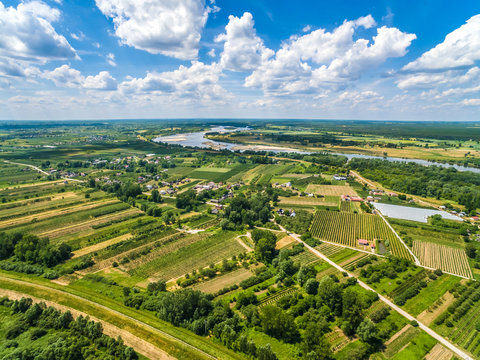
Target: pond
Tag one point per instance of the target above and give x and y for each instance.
(412, 213)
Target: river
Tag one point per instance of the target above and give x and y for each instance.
(198, 139)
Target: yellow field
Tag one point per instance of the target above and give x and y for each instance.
(331, 190)
(305, 200)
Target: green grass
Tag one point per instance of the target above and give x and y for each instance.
(80, 301)
(282, 350)
(343, 255)
(425, 232)
(420, 345)
(430, 294)
(387, 285)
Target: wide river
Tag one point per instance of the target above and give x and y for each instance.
(198, 139)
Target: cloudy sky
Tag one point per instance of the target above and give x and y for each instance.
(345, 59)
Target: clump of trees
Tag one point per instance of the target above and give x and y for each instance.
(299, 223)
(247, 211)
(29, 253)
(462, 187)
(79, 338)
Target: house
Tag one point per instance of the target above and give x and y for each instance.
(293, 213)
(214, 211)
(363, 242)
(475, 218)
(356, 198)
(339, 177)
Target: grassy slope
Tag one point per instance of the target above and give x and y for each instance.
(101, 306)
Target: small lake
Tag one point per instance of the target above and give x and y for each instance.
(412, 213)
(198, 139)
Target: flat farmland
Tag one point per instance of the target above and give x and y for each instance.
(218, 174)
(218, 283)
(197, 255)
(90, 249)
(449, 259)
(305, 200)
(331, 190)
(347, 228)
(11, 174)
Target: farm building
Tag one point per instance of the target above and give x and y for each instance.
(362, 242)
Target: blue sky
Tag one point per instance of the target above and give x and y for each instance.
(101, 59)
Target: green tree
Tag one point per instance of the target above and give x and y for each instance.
(265, 249)
(277, 323)
(311, 286)
(367, 331)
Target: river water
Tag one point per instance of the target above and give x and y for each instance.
(198, 139)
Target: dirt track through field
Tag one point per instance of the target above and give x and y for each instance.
(100, 246)
(140, 345)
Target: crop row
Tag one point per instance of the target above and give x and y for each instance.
(273, 298)
(329, 249)
(347, 228)
(452, 260)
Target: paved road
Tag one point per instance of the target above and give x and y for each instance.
(118, 313)
(422, 326)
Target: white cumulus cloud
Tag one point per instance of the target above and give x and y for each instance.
(322, 59)
(196, 82)
(243, 50)
(460, 48)
(65, 76)
(168, 27)
(26, 33)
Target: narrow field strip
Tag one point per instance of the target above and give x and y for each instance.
(90, 249)
(52, 234)
(58, 212)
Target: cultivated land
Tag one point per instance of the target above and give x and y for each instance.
(348, 228)
(186, 254)
(331, 190)
(452, 260)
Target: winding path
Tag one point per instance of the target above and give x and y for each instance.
(402, 312)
